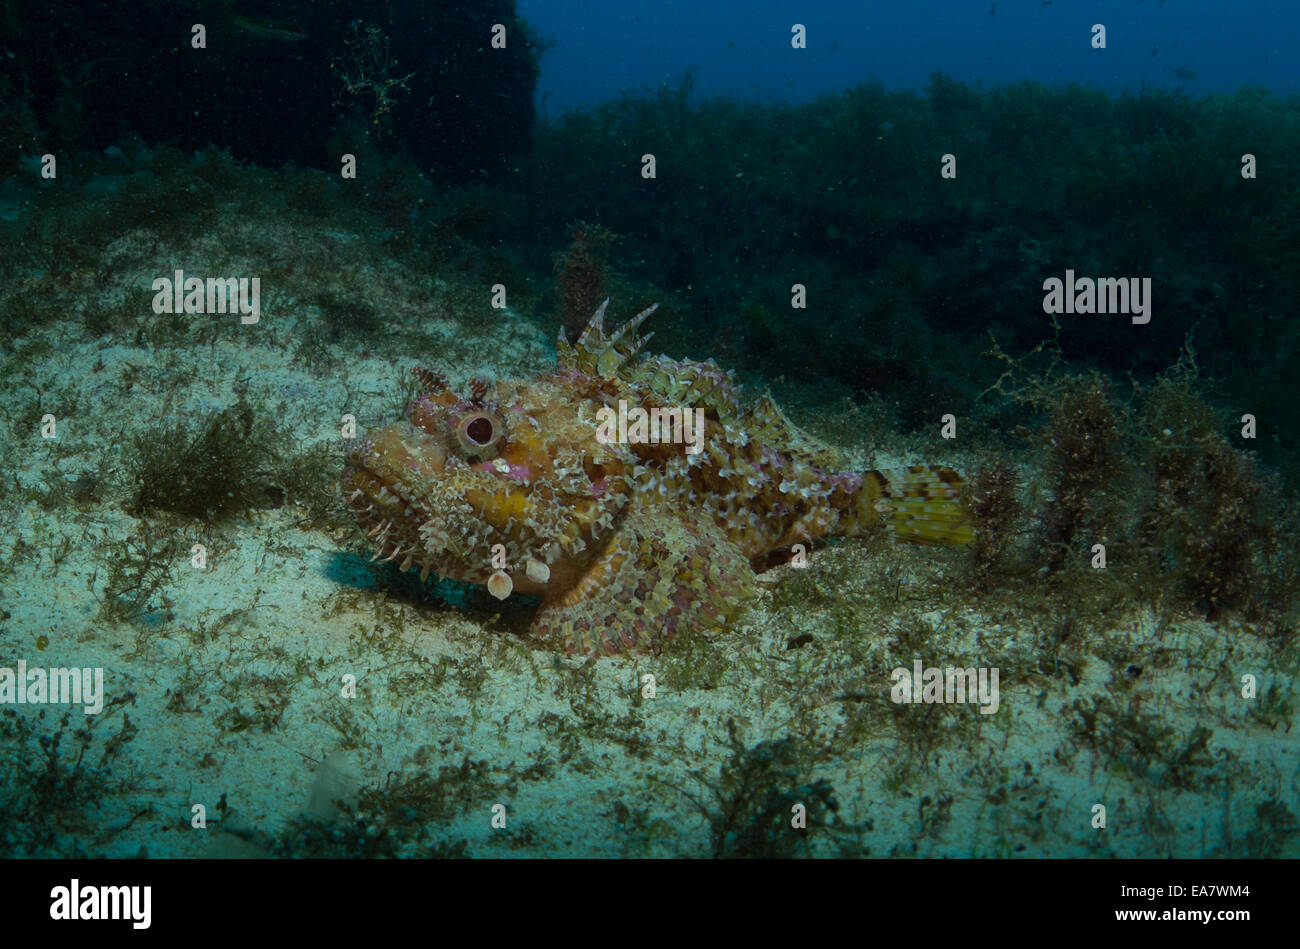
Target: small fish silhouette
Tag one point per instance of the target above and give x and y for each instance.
(269, 29)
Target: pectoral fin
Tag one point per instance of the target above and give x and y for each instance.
(657, 577)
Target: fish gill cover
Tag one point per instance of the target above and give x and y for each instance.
(950, 511)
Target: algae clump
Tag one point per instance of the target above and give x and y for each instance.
(209, 470)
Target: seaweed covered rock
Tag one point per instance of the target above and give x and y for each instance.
(1081, 440)
(993, 502)
(1208, 517)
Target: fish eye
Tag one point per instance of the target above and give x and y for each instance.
(479, 430)
(480, 434)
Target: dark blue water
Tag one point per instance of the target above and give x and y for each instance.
(742, 49)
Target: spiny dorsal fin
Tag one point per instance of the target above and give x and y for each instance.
(766, 423)
(683, 382)
(604, 355)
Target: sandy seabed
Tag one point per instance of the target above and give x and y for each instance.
(232, 687)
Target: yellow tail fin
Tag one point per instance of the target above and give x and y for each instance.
(923, 505)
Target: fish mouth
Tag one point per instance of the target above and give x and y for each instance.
(381, 486)
(396, 459)
(389, 522)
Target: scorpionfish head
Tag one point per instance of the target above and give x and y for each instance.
(508, 487)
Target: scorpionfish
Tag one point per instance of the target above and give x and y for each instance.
(627, 543)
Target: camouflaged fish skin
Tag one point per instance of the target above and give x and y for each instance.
(627, 544)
